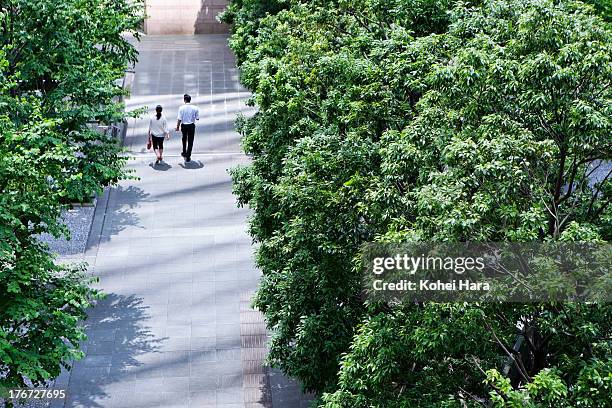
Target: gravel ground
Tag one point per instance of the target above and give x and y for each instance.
(79, 221)
(33, 404)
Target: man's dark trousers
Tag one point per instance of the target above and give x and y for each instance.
(188, 134)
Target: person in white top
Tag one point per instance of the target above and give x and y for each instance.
(187, 115)
(158, 128)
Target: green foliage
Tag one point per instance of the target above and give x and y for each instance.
(60, 63)
(436, 355)
(603, 8)
(592, 389)
(309, 222)
(423, 120)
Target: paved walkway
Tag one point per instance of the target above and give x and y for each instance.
(172, 253)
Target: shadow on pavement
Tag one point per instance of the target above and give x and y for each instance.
(118, 215)
(163, 166)
(192, 165)
(117, 337)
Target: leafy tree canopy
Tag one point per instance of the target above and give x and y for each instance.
(434, 120)
(61, 65)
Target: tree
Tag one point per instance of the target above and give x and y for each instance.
(59, 67)
(323, 106)
(515, 120)
(399, 121)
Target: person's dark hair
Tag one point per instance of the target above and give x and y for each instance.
(158, 111)
(187, 98)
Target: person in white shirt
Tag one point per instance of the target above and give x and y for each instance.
(187, 115)
(158, 128)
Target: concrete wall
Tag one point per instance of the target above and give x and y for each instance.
(184, 16)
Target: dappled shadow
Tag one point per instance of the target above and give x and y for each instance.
(117, 214)
(118, 336)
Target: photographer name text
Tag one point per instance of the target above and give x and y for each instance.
(426, 285)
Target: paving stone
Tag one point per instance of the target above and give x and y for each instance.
(255, 380)
(203, 344)
(230, 395)
(231, 354)
(175, 344)
(207, 398)
(203, 384)
(204, 369)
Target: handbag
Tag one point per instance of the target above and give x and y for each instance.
(149, 143)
